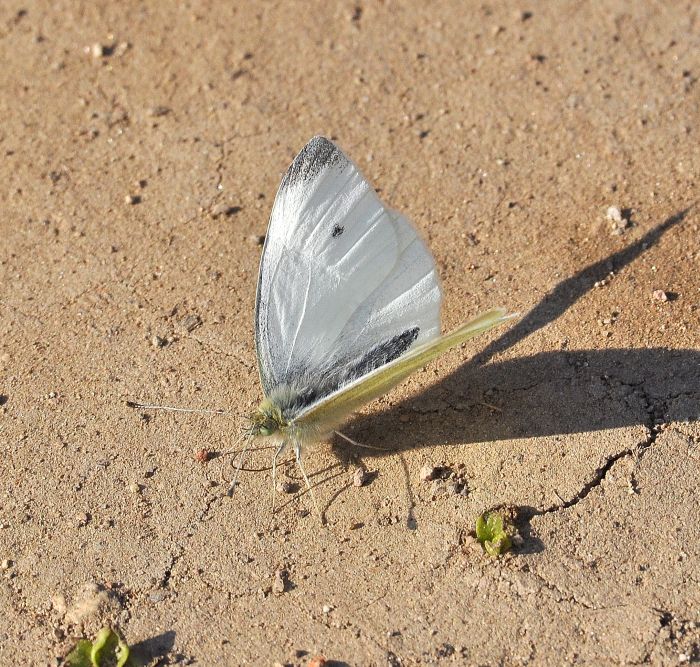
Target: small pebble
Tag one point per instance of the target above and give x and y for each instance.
(224, 209)
(202, 455)
(660, 295)
(328, 608)
(98, 50)
(134, 487)
(158, 111)
(279, 585)
(256, 239)
(157, 596)
(429, 473)
(121, 48)
(189, 323)
(82, 519)
(286, 486)
(613, 214)
(219, 210)
(360, 476)
(132, 199)
(157, 341)
(6, 564)
(318, 661)
(619, 222)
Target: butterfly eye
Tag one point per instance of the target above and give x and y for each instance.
(268, 427)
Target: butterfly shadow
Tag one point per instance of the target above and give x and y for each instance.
(550, 393)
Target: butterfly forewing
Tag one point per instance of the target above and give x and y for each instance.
(346, 285)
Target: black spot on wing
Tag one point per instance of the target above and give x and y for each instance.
(337, 231)
(317, 155)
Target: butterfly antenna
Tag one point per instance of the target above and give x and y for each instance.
(170, 408)
(297, 452)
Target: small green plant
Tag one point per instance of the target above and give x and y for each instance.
(108, 650)
(492, 534)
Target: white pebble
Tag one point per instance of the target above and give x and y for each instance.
(613, 214)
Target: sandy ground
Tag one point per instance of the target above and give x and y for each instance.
(142, 144)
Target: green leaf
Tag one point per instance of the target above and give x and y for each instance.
(104, 648)
(495, 523)
(123, 657)
(492, 534)
(80, 655)
(482, 531)
(108, 650)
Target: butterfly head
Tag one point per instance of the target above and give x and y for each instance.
(267, 419)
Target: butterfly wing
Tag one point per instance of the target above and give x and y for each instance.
(321, 417)
(346, 285)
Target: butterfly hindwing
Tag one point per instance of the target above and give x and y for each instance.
(335, 408)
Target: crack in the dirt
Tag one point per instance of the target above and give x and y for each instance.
(655, 420)
(570, 598)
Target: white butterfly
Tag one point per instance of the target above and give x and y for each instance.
(348, 302)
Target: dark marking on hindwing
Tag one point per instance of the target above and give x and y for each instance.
(337, 231)
(317, 155)
(383, 353)
(309, 389)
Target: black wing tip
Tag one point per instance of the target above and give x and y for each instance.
(318, 154)
(319, 140)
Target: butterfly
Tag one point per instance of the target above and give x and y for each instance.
(348, 303)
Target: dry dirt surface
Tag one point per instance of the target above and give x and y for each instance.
(142, 144)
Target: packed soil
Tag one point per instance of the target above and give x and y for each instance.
(548, 154)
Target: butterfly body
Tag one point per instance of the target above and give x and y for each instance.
(348, 301)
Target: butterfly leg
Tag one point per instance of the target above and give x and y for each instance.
(297, 452)
(244, 451)
(280, 448)
(359, 444)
